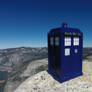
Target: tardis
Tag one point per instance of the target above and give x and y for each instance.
(65, 48)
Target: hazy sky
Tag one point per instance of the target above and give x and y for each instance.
(27, 22)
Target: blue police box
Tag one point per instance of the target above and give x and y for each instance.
(65, 47)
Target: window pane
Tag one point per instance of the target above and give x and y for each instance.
(57, 41)
(51, 41)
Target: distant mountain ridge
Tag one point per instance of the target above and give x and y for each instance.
(12, 58)
(15, 57)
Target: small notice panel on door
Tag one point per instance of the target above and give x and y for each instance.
(67, 51)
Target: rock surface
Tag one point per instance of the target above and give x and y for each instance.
(43, 82)
(16, 60)
(13, 58)
(33, 68)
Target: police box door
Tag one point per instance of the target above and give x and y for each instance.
(72, 55)
(67, 56)
(77, 53)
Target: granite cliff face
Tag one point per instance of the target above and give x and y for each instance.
(16, 60)
(25, 62)
(33, 68)
(43, 82)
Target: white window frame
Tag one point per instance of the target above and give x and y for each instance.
(67, 41)
(76, 41)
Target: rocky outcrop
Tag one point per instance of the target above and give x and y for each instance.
(15, 62)
(33, 68)
(25, 62)
(43, 82)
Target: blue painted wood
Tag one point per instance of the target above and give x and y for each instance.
(62, 67)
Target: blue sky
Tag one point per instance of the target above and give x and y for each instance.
(27, 22)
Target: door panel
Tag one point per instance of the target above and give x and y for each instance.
(57, 46)
(77, 55)
(67, 60)
(72, 56)
(54, 53)
(51, 53)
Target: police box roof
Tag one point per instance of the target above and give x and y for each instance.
(66, 31)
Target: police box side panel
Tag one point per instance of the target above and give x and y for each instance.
(48, 51)
(54, 53)
(58, 53)
(51, 59)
